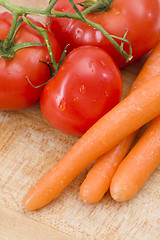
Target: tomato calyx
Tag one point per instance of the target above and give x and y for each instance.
(8, 47)
(49, 64)
(10, 53)
(96, 6)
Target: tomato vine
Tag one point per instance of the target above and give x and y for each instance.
(8, 47)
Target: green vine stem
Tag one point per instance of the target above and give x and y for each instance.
(43, 33)
(28, 10)
(8, 41)
(75, 16)
(18, 10)
(95, 6)
(98, 5)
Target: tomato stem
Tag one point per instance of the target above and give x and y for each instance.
(43, 84)
(49, 11)
(95, 6)
(20, 10)
(43, 33)
(9, 39)
(75, 16)
(6, 47)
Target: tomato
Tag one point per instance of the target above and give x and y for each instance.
(15, 90)
(140, 17)
(88, 84)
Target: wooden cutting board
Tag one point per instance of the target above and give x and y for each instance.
(29, 147)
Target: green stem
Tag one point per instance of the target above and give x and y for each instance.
(15, 47)
(49, 11)
(20, 10)
(17, 27)
(43, 33)
(127, 56)
(90, 9)
(99, 5)
(17, 11)
(9, 39)
(75, 16)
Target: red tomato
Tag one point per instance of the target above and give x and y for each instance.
(140, 17)
(87, 85)
(15, 90)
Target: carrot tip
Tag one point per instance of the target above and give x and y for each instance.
(116, 193)
(28, 203)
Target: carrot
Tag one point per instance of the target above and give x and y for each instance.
(135, 169)
(99, 177)
(134, 111)
(150, 69)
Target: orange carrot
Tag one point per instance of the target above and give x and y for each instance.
(150, 69)
(135, 169)
(134, 111)
(98, 179)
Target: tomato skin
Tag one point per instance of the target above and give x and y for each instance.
(87, 85)
(140, 17)
(15, 90)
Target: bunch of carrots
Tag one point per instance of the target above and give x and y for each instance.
(118, 166)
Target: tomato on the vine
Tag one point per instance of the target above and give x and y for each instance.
(88, 84)
(15, 90)
(141, 18)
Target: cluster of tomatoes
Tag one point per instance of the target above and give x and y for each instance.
(88, 83)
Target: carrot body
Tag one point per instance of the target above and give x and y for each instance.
(150, 69)
(99, 177)
(134, 111)
(135, 169)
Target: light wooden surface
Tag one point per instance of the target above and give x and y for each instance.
(29, 147)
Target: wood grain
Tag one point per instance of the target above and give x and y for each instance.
(29, 146)
(17, 226)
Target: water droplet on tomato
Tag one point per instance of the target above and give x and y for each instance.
(118, 13)
(79, 32)
(64, 29)
(76, 99)
(82, 89)
(90, 63)
(77, 74)
(62, 68)
(62, 105)
(103, 63)
(99, 36)
(106, 93)
(62, 10)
